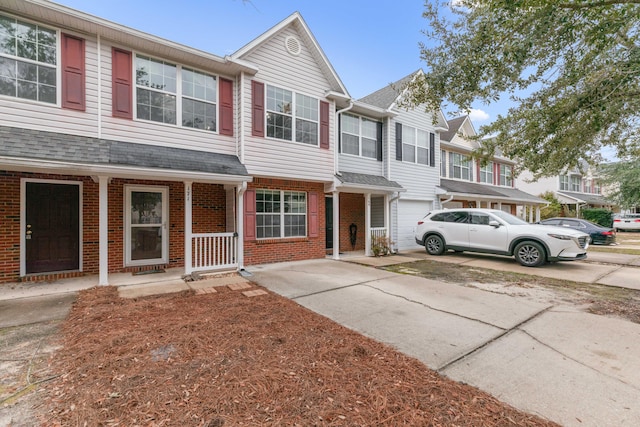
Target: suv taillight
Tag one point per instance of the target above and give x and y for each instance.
(420, 222)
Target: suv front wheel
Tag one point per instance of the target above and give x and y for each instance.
(434, 245)
(530, 254)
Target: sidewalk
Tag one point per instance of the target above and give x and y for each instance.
(574, 368)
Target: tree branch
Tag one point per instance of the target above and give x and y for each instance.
(575, 6)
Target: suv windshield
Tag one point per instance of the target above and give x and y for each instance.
(509, 219)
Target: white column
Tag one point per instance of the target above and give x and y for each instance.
(499, 206)
(103, 230)
(240, 221)
(538, 213)
(367, 224)
(387, 222)
(188, 230)
(531, 214)
(336, 224)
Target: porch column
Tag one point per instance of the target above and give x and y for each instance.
(499, 206)
(387, 223)
(188, 230)
(103, 230)
(367, 224)
(240, 221)
(531, 214)
(336, 224)
(538, 213)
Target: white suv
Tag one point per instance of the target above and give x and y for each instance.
(497, 232)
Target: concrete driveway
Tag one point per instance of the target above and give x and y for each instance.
(571, 367)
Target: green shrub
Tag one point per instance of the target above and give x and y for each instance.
(553, 209)
(604, 217)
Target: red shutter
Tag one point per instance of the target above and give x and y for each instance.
(513, 181)
(226, 107)
(324, 125)
(250, 215)
(313, 214)
(478, 170)
(121, 83)
(73, 73)
(257, 108)
(496, 174)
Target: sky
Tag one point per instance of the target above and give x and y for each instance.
(370, 44)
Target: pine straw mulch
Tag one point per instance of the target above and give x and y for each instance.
(225, 359)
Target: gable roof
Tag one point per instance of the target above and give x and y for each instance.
(454, 127)
(296, 21)
(388, 96)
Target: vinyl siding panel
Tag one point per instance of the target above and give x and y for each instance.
(27, 114)
(147, 132)
(419, 180)
(360, 165)
(278, 158)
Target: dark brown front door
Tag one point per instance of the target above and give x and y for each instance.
(52, 227)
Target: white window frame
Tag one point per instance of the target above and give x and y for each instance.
(575, 183)
(57, 66)
(505, 180)
(164, 259)
(283, 214)
(178, 94)
(486, 171)
(564, 183)
(418, 139)
(443, 163)
(291, 111)
(360, 135)
(458, 162)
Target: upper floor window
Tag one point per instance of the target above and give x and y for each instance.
(575, 181)
(564, 183)
(280, 214)
(415, 145)
(505, 176)
(596, 187)
(169, 93)
(460, 166)
(443, 163)
(290, 114)
(486, 173)
(359, 136)
(28, 67)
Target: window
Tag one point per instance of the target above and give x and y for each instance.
(283, 116)
(281, 214)
(596, 187)
(359, 136)
(486, 173)
(443, 163)
(459, 217)
(564, 182)
(415, 145)
(575, 181)
(170, 93)
(460, 166)
(479, 218)
(28, 68)
(505, 176)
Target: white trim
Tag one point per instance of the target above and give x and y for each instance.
(188, 227)
(164, 226)
(23, 220)
(103, 230)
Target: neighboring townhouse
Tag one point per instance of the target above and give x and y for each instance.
(574, 189)
(466, 182)
(411, 143)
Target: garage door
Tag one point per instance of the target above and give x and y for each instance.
(409, 213)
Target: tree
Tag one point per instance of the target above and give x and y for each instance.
(572, 66)
(553, 209)
(622, 180)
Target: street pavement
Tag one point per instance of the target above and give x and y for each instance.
(574, 368)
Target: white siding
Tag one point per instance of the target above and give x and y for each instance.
(357, 164)
(301, 73)
(147, 132)
(16, 112)
(538, 187)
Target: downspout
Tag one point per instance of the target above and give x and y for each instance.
(335, 150)
(240, 122)
(99, 88)
(442, 202)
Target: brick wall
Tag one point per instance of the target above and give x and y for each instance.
(208, 217)
(264, 251)
(352, 210)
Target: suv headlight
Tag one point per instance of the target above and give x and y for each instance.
(560, 236)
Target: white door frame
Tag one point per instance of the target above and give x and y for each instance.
(128, 189)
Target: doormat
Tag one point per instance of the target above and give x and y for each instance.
(140, 273)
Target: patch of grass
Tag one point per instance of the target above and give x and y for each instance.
(614, 250)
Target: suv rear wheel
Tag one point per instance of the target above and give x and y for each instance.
(434, 245)
(530, 254)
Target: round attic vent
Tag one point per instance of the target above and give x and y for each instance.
(293, 45)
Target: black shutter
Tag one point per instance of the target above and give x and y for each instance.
(340, 133)
(432, 149)
(379, 141)
(398, 141)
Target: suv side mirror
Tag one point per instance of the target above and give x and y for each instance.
(494, 223)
